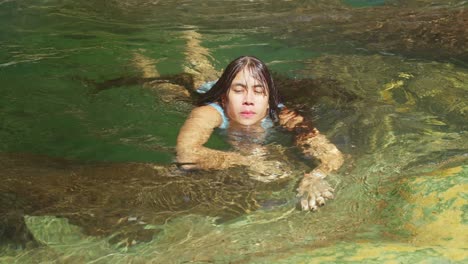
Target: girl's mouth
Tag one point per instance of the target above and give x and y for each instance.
(247, 114)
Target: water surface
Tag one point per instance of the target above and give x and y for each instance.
(87, 139)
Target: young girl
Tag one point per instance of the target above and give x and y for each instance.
(245, 99)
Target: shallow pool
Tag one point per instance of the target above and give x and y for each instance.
(88, 133)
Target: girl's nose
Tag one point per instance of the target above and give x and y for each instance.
(248, 98)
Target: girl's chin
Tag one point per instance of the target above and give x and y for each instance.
(247, 122)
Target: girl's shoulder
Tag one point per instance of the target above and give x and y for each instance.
(208, 114)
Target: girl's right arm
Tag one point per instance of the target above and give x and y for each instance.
(197, 129)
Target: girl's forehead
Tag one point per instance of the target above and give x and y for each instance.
(248, 75)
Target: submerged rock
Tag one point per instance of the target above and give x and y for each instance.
(120, 201)
(438, 89)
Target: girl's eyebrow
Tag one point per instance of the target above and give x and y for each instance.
(239, 84)
(244, 85)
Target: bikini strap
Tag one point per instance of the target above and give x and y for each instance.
(225, 123)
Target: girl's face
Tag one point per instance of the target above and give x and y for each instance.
(247, 99)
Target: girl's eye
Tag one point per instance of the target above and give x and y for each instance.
(238, 90)
(258, 91)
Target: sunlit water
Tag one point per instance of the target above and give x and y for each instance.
(87, 144)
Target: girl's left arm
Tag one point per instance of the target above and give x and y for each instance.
(313, 189)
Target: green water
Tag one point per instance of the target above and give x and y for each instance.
(87, 175)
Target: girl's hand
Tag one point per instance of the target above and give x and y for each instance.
(314, 190)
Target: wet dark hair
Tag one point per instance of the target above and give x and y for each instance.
(259, 71)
